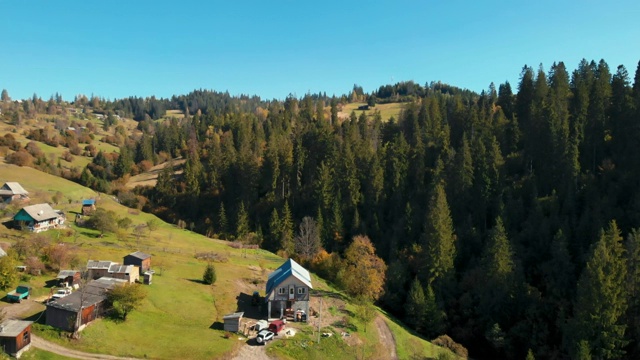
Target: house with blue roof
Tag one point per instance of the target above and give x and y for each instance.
(288, 290)
(88, 206)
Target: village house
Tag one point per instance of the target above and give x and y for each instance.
(12, 191)
(288, 290)
(129, 273)
(15, 336)
(98, 269)
(68, 277)
(75, 311)
(139, 259)
(39, 217)
(88, 207)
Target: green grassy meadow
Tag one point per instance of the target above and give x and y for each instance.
(386, 110)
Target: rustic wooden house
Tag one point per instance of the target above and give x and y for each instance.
(232, 321)
(39, 217)
(139, 259)
(75, 311)
(288, 289)
(98, 269)
(88, 207)
(129, 273)
(13, 191)
(68, 277)
(15, 336)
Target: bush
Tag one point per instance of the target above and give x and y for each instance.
(446, 342)
(209, 276)
(20, 158)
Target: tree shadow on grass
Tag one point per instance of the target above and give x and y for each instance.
(197, 281)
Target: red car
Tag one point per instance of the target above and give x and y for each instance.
(276, 326)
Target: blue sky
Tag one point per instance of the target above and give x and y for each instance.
(272, 48)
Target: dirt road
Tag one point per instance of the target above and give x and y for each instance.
(60, 350)
(386, 337)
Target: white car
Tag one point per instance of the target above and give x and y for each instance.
(264, 336)
(60, 294)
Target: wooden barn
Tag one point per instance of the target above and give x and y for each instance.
(75, 311)
(15, 336)
(68, 277)
(232, 321)
(13, 191)
(139, 259)
(88, 207)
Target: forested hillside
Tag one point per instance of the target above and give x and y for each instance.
(509, 220)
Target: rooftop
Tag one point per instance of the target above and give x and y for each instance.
(66, 273)
(93, 293)
(13, 328)
(88, 202)
(12, 188)
(101, 264)
(289, 268)
(140, 255)
(121, 269)
(41, 212)
(233, 316)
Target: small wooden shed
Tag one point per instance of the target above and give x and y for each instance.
(232, 321)
(148, 277)
(139, 259)
(15, 336)
(88, 206)
(70, 277)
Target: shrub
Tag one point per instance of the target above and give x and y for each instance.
(446, 342)
(20, 158)
(209, 277)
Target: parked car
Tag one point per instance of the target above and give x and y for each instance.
(264, 336)
(276, 326)
(61, 293)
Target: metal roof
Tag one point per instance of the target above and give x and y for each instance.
(140, 255)
(233, 316)
(289, 268)
(63, 274)
(13, 188)
(88, 202)
(121, 269)
(93, 293)
(40, 212)
(13, 328)
(102, 264)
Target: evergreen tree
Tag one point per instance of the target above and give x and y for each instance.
(415, 306)
(222, 220)
(242, 224)
(286, 230)
(438, 242)
(4, 97)
(209, 277)
(601, 299)
(632, 255)
(124, 163)
(275, 229)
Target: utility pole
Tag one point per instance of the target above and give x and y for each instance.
(319, 320)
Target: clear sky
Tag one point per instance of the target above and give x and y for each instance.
(273, 48)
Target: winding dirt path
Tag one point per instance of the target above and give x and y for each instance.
(386, 337)
(60, 350)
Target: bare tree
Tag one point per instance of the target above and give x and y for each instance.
(307, 242)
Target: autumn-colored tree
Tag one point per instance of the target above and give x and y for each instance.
(364, 272)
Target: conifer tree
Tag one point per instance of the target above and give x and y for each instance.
(415, 305)
(601, 299)
(222, 220)
(275, 229)
(439, 242)
(286, 230)
(242, 224)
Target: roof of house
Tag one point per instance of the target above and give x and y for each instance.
(121, 269)
(289, 268)
(93, 293)
(102, 264)
(233, 316)
(140, 255)
(12, 188)
(41, 212)
(13, 328)
(63, 274)
(88, 202)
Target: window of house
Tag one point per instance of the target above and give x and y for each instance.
(282, 291)
(301, 290)
(291, 291)
(25, 336)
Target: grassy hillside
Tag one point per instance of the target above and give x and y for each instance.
(386, 110)
(180, 318)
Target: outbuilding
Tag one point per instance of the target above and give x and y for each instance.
(13, 191)
(68, 277)
(88, 206)
(232, 321)
(139, 259)
(15, 336)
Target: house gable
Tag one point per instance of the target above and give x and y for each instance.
(290, 269)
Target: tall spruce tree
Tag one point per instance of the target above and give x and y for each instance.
(601, 299)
